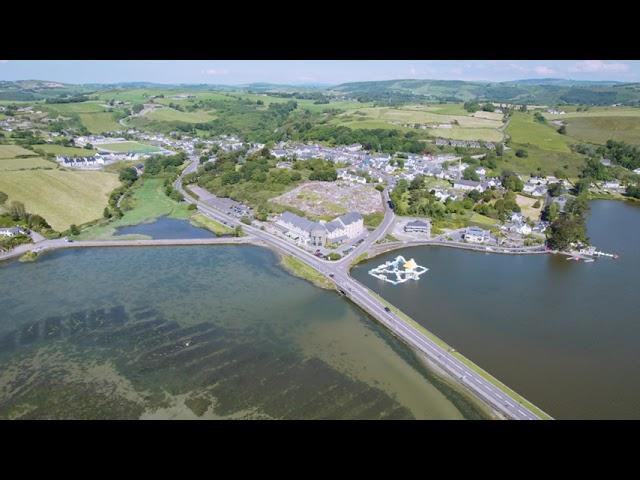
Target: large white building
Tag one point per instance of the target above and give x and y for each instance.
(345, 227)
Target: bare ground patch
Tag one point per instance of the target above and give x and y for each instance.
(526, 205)
(322, 199)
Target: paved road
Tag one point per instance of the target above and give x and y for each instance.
(385, 247)
(47, 245)
(339, 273)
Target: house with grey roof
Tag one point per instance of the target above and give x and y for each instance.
(418, 226)
(467, 185)
(345, 227)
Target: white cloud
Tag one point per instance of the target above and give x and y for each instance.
(518, 68)
(598, 66)
(412, 71)
(216, 71)
(544, 70)
(4, 61)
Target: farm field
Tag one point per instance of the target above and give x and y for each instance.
(596, 112)
(7, 164)
(100, 122)
(548, 151)
(464, 126)
(540, 161)
(485, 134)
(13, 151)
(595, 129)
(67, 108)
(133, 147)
(61, 197)
(93, 115)
(62, 150)
(171, 115)
(525, 130)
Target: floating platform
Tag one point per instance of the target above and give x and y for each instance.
(398, 271)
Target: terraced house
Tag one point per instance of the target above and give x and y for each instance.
(345, 227)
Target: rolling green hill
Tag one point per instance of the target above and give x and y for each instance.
(530, 92)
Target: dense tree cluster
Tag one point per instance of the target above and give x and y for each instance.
(569, 226)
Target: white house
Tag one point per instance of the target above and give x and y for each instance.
(10, 232)
(467, 185)
(476, 235)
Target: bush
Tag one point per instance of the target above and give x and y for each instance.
(520, 153)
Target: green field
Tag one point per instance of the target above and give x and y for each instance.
(465, 126)
(524, 129)
(7, 164)
(458, 133)
(12, 151)
(62, 150)
(132, 147)
(548, 151)
(100, 122)
(67, 108)
(171, 115)
(149, 202)
(600, 129)
(93, 115)
(61, 197)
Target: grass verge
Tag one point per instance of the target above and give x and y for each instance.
(302, 270)
(200, 220)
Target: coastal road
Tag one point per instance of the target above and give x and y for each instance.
(47, 245)
(339, 274)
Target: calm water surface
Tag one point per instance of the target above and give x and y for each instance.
(564, 334)
(197, 332)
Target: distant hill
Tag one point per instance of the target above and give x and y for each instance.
(545, 91)
(531, 92)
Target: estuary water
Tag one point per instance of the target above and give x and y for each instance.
(203, 332)
(564, 334)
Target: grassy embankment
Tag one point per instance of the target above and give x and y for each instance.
(149, 202)
(219, 229)
(518, 398)
(302, 270)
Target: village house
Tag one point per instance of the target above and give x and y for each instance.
(418, 226)
(10, 231)
(467, 185)
(476, 235)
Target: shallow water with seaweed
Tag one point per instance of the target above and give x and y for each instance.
(198, 332)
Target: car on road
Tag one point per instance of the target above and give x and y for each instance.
(387, 309)
(331, 275)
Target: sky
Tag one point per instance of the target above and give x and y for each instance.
(236, 72)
